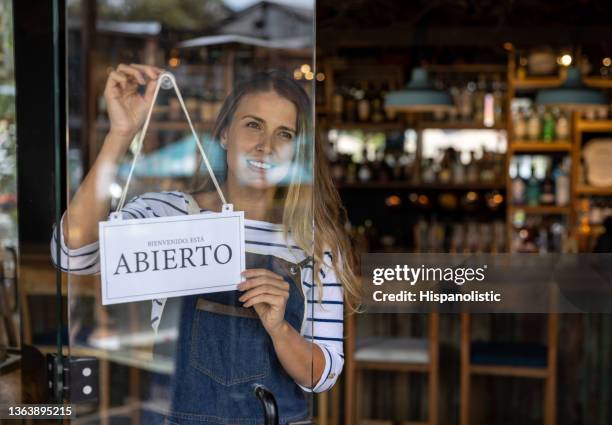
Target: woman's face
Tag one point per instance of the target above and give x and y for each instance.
(260, 139)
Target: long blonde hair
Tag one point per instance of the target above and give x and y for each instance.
(309, 198)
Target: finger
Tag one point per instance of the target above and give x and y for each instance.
(133, 72)
(149, 91)
(264, 289)
(130, 85)
(119, 79)
(250, 273)
(263, 280)
(151, 71)
(112, 84)
(273, 300)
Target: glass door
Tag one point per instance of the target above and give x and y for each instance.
(152, 87)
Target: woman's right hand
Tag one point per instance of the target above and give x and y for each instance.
(127, 108)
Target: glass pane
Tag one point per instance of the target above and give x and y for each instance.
(9, 326)
(246, 77)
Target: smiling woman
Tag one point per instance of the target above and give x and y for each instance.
(265, 128)
(295, 283)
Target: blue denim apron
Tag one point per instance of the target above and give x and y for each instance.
(223, 350)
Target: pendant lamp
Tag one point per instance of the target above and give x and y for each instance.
(572, 94)
(419, 96)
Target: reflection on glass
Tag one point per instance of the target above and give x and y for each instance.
(199, 357)
(8, 206)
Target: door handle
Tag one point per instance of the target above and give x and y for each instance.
(268, 402)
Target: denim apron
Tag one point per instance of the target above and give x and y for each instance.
(223, 350)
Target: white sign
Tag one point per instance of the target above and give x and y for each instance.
(171, 256)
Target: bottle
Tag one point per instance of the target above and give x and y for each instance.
(487, 171)
(458, 169)
(363, 104)
(532, 192)
(498, 100)
(350, 105)
(445, 173)
(377, 168)
(533, 126)
(518, 185)
(479, 99)
(338, 104)
(547, 190)
(406, 164)
(520, 125)
(472, 173)
(364, 172)
(465, 101)
(562, 129)
(429, 172)
(562, 183)
(389, 114)
(548, 127)
(376, 107)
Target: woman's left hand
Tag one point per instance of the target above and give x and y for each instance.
(268, 293)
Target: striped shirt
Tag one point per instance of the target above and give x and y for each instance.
(323, 321)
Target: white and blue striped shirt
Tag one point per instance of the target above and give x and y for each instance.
(323, 323)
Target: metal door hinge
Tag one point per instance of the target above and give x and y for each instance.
(74, 379)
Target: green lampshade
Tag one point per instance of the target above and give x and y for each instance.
(418, 96)
(572, 94)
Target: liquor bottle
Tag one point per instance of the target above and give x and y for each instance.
(532, 192)
(350, 105)
(479, 99)
(406, 163)
(547, 191)
(562, 129)
(376, 107)
(534, 125)
(520, 125)
(351, 171)
(429, 172)
(396, 167)
(487, 172)
(458, 169)
(445, 174)
(465, 102)
(377, 167)
(390, 115)
(518, 185)
(548, 127)
(363, 103)
(452, 113)
(364, 172)
(498, 100)
(562, 182)
(472, 173)
(338, 103)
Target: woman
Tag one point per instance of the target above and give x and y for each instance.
(283, 328)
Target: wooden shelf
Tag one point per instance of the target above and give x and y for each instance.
(515, 371)
(421, 186)
(459, 125)
(541, 209)
(583, 189)
(598, 82)
(363, 126)
(534, 83)
(535, 146)
(392, 366)
(594, 125)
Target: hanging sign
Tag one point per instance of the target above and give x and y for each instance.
(163, 257)
(160, 257)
